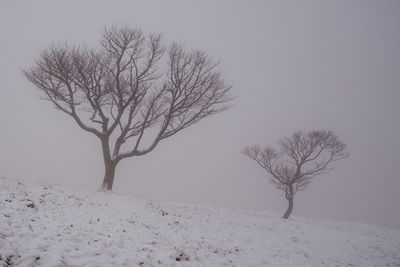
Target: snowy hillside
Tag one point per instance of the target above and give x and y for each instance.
(49, 225)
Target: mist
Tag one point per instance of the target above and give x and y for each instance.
(293, 65)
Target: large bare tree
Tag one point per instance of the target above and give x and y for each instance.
(301, 157)
(127, 92)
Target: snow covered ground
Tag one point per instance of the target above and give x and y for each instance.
(52, 225)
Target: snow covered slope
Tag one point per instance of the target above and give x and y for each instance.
(51, 225)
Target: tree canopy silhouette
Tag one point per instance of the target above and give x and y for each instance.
(123, 94)
(301, 157)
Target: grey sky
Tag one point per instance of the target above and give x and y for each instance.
(295, 65)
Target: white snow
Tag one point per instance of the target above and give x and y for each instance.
(53, 225)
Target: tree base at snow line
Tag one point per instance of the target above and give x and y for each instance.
(106, 185)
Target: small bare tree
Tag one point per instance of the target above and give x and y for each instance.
(120, 93)
(302, 157)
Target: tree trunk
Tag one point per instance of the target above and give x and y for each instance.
(289, 209)
(109, 175)
(109, 165)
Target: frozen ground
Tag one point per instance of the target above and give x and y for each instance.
(52, 225)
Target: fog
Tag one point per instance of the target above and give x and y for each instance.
(294, 65)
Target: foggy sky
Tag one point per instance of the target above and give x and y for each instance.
(295, 65)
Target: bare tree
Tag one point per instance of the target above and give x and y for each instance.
(301, 157)
(121, 94)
